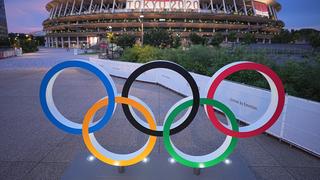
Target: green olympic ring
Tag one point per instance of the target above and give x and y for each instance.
(206, 160)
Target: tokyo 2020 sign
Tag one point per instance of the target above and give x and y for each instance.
(192, 104)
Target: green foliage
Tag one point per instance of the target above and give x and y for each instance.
(315, 40)
(125, 40)
(232, 37)
(26, 42)
(217, 39)
(141, 54)
(249, 38)
(29, 46)
(158, 38)
(298, 77)
(284, 37)
(310, 35)
(196, 39)
(176, 42)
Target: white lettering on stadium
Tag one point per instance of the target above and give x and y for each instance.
(163, 4)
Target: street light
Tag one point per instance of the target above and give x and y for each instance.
(142, 30)
(110, 30)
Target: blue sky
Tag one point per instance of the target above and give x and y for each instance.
(28, 15)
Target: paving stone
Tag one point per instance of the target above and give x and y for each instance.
(48, 171)
(269, 172)
(15, 170)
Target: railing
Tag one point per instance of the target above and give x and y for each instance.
(7, 53)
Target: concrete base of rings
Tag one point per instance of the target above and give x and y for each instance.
(158, 166)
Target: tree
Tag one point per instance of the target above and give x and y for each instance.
(27, 42)
(196, 39)
(283, 37)
(111, 37)
(315, 40)
(176, 42)
(216, 40)
(125, 40)
(232, 37)
(158, 38)
(249, 38)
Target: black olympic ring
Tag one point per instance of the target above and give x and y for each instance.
(167, 65)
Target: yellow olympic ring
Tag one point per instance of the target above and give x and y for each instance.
(117, 159)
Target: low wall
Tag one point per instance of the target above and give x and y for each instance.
(7, 53)
(298, 124)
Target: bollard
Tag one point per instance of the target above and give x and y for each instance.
(196, 171)
(121, 169)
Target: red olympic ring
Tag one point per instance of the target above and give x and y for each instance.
(265, 71)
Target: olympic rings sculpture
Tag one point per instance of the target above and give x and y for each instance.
(233, 132)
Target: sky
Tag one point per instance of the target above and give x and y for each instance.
(26, 16)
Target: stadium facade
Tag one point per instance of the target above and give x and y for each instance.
(3, 21)
(76, 23)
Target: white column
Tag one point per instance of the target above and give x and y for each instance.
(113, 5)
(62, 42)
(88, 45)
(81, 7)
(101, 6)
(77, 41)
(235, 6)
(50, 15)
(275, 13)
(211, 3)
(253, 8)
(270, 12)
(60, 10)
(55, 12)
(90, 6)
(51, 41)
(65, 9)
(74, 3)
(69, 42)
(57, 45)
(245, 7)
(46, 39)
(224, 6)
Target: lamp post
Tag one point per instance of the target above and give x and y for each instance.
(142, 28)
(110, 30)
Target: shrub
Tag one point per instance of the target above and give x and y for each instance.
(196, 39)
(232, 37)
(217, 39)
(158, 38)
(126, 40)
(249, 38)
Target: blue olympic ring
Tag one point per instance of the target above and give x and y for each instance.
(48, 81)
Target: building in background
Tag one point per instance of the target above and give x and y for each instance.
(3, 21)
(81, 23)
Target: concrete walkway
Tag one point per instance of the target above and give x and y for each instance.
(32, 148)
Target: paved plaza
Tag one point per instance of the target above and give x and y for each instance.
(32, 148)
